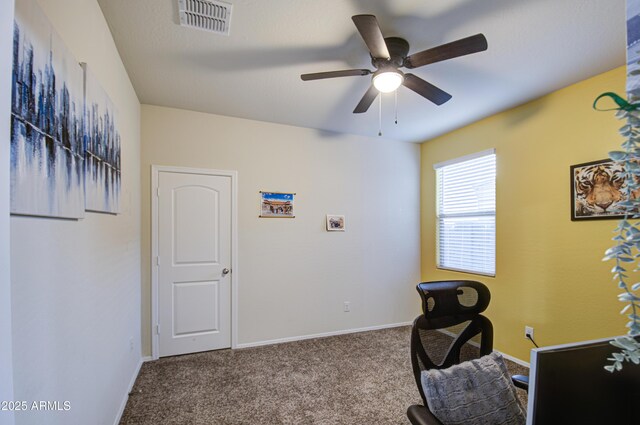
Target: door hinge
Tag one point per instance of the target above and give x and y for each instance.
(158, 192)
(157, 260)
(158, 329)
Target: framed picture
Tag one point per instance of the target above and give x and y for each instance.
(597, 189)
(335, 223)
(277, 205)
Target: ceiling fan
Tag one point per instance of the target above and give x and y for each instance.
(389, 54)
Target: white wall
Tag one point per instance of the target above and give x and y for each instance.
(76, 284)
(293, 275)
(6, 363)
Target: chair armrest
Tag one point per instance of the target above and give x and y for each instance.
(420, 415)
(521, 381)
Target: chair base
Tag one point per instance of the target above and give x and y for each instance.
(420, 415)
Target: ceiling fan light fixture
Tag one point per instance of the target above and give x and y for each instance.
(388, 81)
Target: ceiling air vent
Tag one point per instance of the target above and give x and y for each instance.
(208, 15)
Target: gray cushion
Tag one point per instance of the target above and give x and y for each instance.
(477, 392)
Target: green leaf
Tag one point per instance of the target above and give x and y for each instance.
(632, 167)
(617, 344)
(625, 296)
(632, 236)
(612, 250)
(617, 155)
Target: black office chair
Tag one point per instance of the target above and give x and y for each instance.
(446, 304)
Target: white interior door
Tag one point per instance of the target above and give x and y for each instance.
(194, 261)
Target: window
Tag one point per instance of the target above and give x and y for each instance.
(466, 213)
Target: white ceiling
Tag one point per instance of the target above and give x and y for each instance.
(535, 47)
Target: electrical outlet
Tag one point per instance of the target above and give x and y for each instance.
(131, 344)
(347, 306)
(528, 332)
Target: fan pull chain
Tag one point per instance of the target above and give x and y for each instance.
(380, 115)
(396, 108)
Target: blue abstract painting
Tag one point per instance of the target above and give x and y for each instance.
(47, 148)
(102, 149)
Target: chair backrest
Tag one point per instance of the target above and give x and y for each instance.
(445, 304)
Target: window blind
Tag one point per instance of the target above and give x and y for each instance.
(466, 214)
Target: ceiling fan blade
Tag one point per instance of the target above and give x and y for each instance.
(366, 100)
(372, 35)
(465, 46)
(426, 90)
(334, 74)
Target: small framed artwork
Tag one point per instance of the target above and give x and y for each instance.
(277, 205)
(597, 189)
(335, 223)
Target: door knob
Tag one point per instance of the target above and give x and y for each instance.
(225, 271)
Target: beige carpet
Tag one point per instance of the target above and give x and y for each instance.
(354, 379)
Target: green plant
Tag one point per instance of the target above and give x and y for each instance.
(626, 251)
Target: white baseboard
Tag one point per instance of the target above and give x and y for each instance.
(455, 335)
(514, 359)
(321, 335)
(129, 388)
(475, 344)
(147, 359)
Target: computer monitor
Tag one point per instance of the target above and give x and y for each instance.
(568, 385)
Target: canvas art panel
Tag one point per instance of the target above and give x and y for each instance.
(597, 190)
(47, 152)
(277, 205)
(102, 148)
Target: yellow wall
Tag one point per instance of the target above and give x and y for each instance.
(549, 272)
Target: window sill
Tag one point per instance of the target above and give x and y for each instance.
(450, 269)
